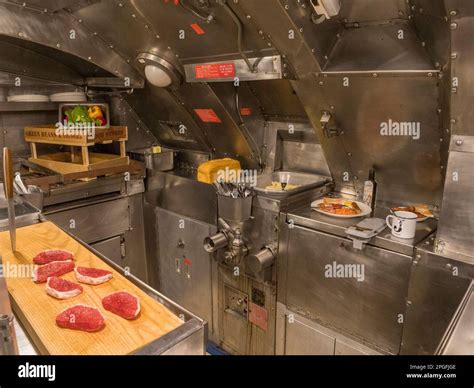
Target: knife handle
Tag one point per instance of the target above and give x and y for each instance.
(8, 172)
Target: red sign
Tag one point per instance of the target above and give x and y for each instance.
(258, 316)
(246, 111)
(215, 70)
(207, 115)
(197, 29)
(188, 262)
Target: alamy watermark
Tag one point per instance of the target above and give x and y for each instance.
(401, 128)
(76, 129)
(335, 270)
(247, 177)
(8, 270)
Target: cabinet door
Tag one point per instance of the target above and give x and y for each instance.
(184, 266)
(358, 292)
(301, 339)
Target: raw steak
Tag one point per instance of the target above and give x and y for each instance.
(123, 304)
(51, 255)
(92, 275)
(62, 289)
(56, 268)
(81, 317)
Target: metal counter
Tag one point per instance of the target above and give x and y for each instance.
(367, 308)
(309, 218)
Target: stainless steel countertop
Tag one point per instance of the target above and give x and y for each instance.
(306, 217)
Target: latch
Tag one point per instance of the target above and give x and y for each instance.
(329, 126)
(123, 249)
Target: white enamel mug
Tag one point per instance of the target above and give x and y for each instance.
(402, 224)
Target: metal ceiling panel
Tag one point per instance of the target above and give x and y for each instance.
(362, 11)
(61, 32)
(379, 48)
(278, 100)
(408, 171)
(218, 124)
(20, 61)
(433, 28)
(169, 121)
(46, 5)
(170, 30)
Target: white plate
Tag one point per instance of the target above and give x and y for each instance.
(366, 210)
(68, 97)
(29, 98)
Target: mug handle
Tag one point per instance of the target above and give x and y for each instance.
(389, 217)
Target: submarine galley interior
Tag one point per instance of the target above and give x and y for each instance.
(242, 177)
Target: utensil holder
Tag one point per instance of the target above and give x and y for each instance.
(234, 209)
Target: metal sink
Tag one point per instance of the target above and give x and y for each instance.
(304, 182)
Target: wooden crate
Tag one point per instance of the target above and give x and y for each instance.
(78, 158)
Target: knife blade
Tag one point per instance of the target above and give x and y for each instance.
(8, 186)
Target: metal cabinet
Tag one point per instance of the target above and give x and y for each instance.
(367, 300)
(111, 248)
(93, 222)
(438, 285)
(297, 335)
(184, 267)
(114, 227)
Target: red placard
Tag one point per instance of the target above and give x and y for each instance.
(258, 316)
(208, 115)
(197, 29)
(245, 111)
(215, 70)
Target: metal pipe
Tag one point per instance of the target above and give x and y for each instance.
(244, 127)
(216, 242)
(238, 23)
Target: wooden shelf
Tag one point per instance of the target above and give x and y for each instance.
(78, 159)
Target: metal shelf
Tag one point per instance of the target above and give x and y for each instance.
(28, 106)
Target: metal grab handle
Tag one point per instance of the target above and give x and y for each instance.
(8, 345)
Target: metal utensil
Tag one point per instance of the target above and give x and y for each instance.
(8, 344)
(20, 187)
(8, 186)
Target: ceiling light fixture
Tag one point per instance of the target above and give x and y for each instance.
(158, 71)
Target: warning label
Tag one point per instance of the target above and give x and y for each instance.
(245, 111)
(215, 70)
(208, 115)
(197, 29)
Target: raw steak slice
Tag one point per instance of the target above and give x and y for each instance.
(92, 275)
(61, 288)
(123, 304)
(81, 317)
(56, 268)
(51, 255)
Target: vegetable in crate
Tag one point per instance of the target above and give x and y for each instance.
(82, 114)
(78, 115)
(95, 112)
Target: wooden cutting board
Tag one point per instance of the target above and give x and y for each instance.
(37, 311)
